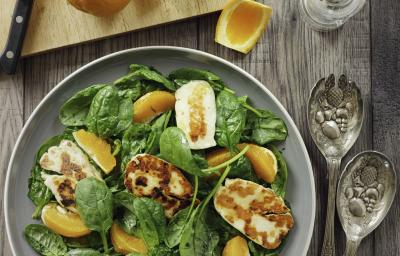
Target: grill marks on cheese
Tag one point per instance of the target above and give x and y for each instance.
(255, 211)
(68, 160)
(150, 176)
(198, 128)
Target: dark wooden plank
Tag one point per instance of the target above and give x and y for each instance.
(385, 47)
(11, 120)
(289, 59)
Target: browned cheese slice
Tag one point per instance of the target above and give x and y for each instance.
(150, 176)
(255, 211)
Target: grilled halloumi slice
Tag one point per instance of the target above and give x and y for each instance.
(150, 176)
(196, 113)
(68, 159)
(63, 188)
(255, 211)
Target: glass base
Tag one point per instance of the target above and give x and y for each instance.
(325, 15)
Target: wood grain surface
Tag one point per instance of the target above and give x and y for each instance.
(55, 23)
(288, 60)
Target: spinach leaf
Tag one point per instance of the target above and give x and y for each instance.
(160, 250)
(198, 239)
(175, 228)
(84, 252)
(74, 111)
(279, 184)
(264, 127)
(124, 199)
(109, 113)
(129, 223)
(231, 120)
(93, 240)
(44, 241)
(159, 125)
(175, 149)
(242, 169)
(38, 192)
(257, 250)
(134, 141)
(95, 206)
(147, 76)
(184, 75)
(152, 222)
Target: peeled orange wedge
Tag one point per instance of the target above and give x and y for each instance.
(241, 24)
(97, 148)
(262, 160)
(63, 222)
(124, 243)
(151, 105)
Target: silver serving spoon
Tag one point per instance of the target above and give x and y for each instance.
(335, 116)
(365, 193)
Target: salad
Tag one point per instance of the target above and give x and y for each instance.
(161, 165)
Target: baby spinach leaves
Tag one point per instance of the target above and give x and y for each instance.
(279, 184)
(84, 252)
(184, 75)
(44, 241)
(109, 113)
(231, 120)
(74, 111)
(263, 127)
(175, 228)
(152, 222)
(175, 149)
(95, 206)
(134, 141)
(146, 75)
(159, 125)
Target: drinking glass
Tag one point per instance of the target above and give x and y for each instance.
(327, 15)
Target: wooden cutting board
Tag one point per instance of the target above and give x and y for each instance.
(55, 23)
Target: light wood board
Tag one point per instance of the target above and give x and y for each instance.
(55, 23)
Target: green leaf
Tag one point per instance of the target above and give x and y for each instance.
(175, 228)
(84, 252)
(147, 76)
(93, 240)
(231, 120)
(74, 111)
(95, 206)
(44, 241)
(159, 125)
(175, 149)
(184, 75)
(279, 184)
(134, 141)
(152, 222)
(263, 127)
(129, 223)
(109, 113)
(124, 199)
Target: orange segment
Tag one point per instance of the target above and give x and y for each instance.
(262, 160)
(97, 148)
(63, 222)
(151, 105)
(124, 243)
(241, 24)
(237, 246)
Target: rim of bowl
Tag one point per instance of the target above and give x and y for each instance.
(175, 48)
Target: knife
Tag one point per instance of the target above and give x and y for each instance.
(19, 24)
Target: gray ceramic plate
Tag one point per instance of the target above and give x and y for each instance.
(44, 123)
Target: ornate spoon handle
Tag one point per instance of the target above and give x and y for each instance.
(328, 247)
(351, 247)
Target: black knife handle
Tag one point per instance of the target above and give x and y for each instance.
(19, 25)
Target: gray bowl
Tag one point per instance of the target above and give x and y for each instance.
(44, 123)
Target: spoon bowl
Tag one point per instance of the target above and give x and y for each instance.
(335, 116)
(365, 193)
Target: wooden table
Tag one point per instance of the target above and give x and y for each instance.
(289, 59)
